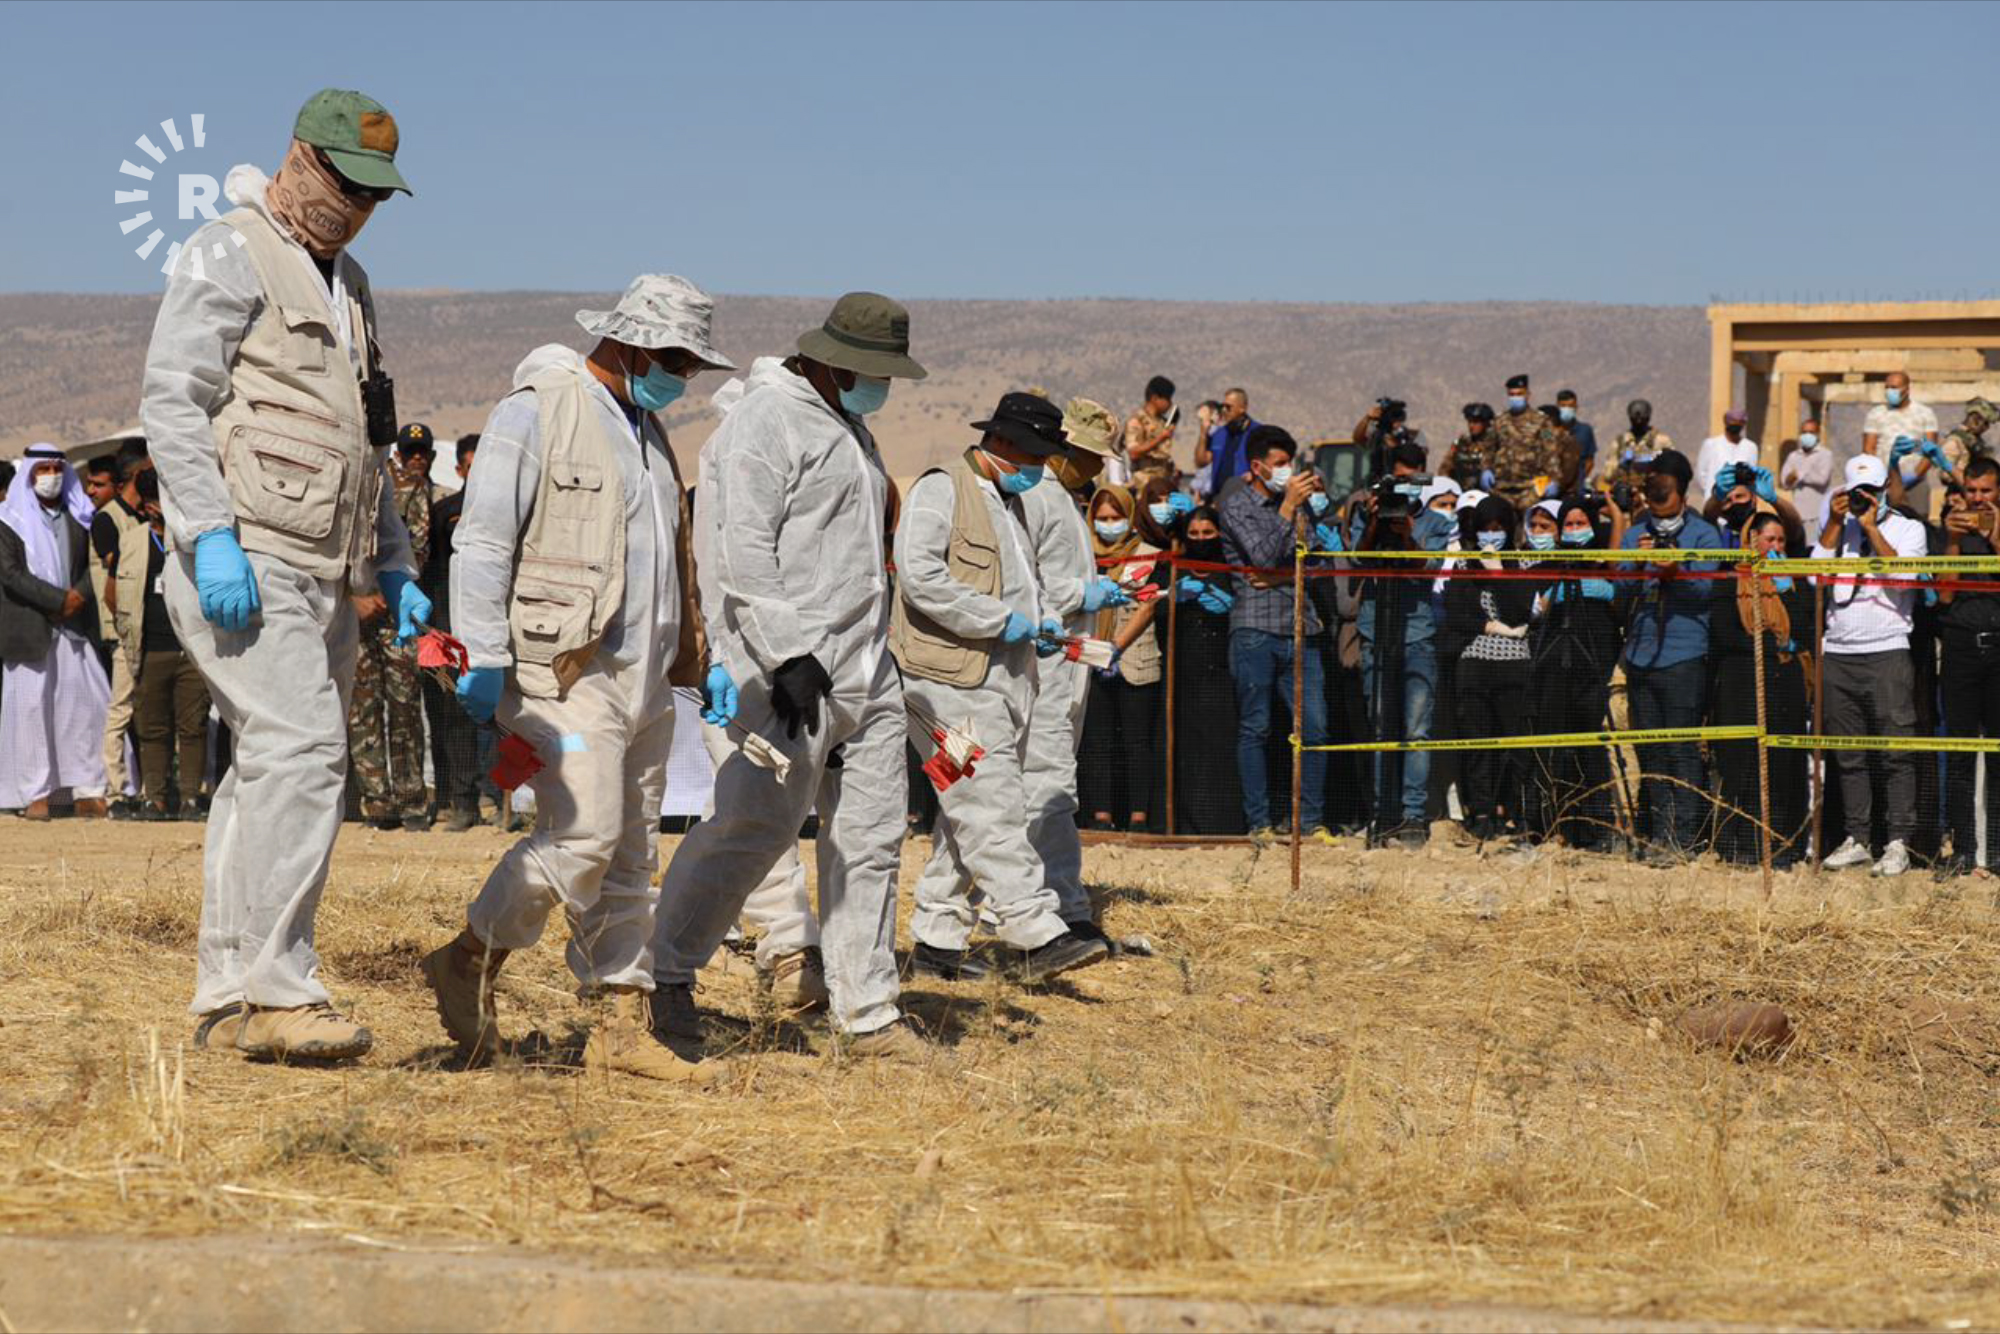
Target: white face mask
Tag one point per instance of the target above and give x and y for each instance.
(1281, 477)
(1808, 441)
(49, 485)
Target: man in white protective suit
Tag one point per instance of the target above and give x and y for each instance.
(269, 420)
(793, 499)
(1073, 590)
(572, 586)
(971, 620)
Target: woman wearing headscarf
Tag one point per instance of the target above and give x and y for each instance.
(1491, 616)
(1121, 727)
(1207, 795)
(1571, 654)
(1788, 622)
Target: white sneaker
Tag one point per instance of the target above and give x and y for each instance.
(1848, 854)
(1895, 859)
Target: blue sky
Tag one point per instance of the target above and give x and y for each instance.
(1409, 152)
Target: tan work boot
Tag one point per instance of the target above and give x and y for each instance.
(796, 982)
(302, 1033)
(220, 1030)
(893, 1042)
(91, 808)
(461, 975)
(623, 1041)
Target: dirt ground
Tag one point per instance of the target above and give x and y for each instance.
(1427, 1079)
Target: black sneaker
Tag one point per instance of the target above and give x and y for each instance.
(1951, 865)
(417, 824)
(1068, 950)
(1413, 836)
(124, 809)
(947, 965)
(1088, 929)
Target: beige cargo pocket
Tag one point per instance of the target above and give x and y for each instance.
(293, 486)
(548, 619)
(308, 340)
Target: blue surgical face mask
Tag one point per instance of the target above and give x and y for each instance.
(1163, 515)
(1893, 397)
(1281, 477)
(1492, 541)
(1542, 541)
(1808, 440)
(1567, 414)
(1319, 500)
(1516, 403)
(655, 389)
(1578, 538)
(1025, 477)
(868, 395)
(1114, 529)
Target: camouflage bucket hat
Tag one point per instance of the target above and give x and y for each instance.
(866, 333)
(1984, 409)
(660, 310)
(1090, 426)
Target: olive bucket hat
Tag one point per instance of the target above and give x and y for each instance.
(866, 333)
(357, 134)
(1089, 426)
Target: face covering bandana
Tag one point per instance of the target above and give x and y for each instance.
(1568, 415)
(1669, 527)
(49, 485)
(1077, 471)
(1893, 397)
(1516, 403)
(1281, 477)
(307, 199)
(1319, 500)
(1025, 477)
(1113, 530)
(1577, 538)
(655, 389)
(1491, 541)
(1541, 541)
(1163, 515)
(868, 395)
(1807, 440)
(1738, 515)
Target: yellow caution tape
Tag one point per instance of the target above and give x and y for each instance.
(1932, 743)
(1554, 740)
(1887, 565)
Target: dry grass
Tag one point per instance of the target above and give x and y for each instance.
(1427, 1077)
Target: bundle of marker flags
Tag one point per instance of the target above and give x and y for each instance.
(515, 761)
(957, 751)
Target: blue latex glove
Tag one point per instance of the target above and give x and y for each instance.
(1048, 640)
(1018, 630)
(1723, 483)
(1190, 588)
(1217, 601)
(1487, 480)
(1324, 538)
(718, 696)
(1552, 490)
(401, 592)
(1110, 670)
(479, 691)
(225, 581)
(1597, 588)
(1766, 487)
(1904, 445)
(1934, 451)
(1103, 592)
(1181, 503)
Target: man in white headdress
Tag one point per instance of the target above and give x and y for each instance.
(56, 695)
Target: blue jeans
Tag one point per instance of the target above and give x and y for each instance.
(1670, 697)
(1419, 672)
(1260, 661)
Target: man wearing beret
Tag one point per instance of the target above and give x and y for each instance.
(1527, 458)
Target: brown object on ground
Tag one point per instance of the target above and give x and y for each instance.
(623, 1042)
(91, 808)
(1741, 1028)
(36, 810)
(894, 1042)
(302, 1033)
(797, 982)
(461, 975)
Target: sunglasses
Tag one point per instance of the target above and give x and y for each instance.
(374, 194)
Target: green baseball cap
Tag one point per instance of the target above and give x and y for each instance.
(356, 133)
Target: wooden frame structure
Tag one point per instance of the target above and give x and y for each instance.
(1793, 355)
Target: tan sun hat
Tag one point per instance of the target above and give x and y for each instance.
(660, 310)
(1090, 426)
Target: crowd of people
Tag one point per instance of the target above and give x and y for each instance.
(1010, 622)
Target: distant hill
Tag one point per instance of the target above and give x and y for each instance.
(70, 365)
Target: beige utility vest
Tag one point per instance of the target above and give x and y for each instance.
(135, 538)
(921, 646)
(131, 536)
(292, 438)
(569, 574)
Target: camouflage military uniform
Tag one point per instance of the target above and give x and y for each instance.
(1467, 459)
(385, 724)
(1963, 444)
(1625, 450)
(1139, 428)
(1525, 447)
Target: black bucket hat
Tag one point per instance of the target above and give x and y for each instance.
(866, 333)
(1027, 420)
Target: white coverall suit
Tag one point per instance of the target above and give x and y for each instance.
(779, 909)
(789, 520)
(604, 745)
(281, 684)
(981, 836)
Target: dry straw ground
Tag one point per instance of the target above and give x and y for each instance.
(1433, 1077)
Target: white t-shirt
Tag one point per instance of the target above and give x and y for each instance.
(1885, 423)
(1870, 618)
(1718, 452)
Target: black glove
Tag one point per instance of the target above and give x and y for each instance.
(797, 687)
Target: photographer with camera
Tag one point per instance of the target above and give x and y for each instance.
(1970, 674)
(1740, 494)
(1869, 675)
(1666, 652)
(1397, 623)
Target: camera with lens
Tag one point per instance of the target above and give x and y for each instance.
(1621, 496)
(1739, 474)
(1394, 411)
(1400, 497)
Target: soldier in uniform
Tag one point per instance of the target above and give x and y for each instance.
(1149, 436)
(1632, 453)
(1468, 461)
(1967, 440)
(385, 726)
(1527, 458)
